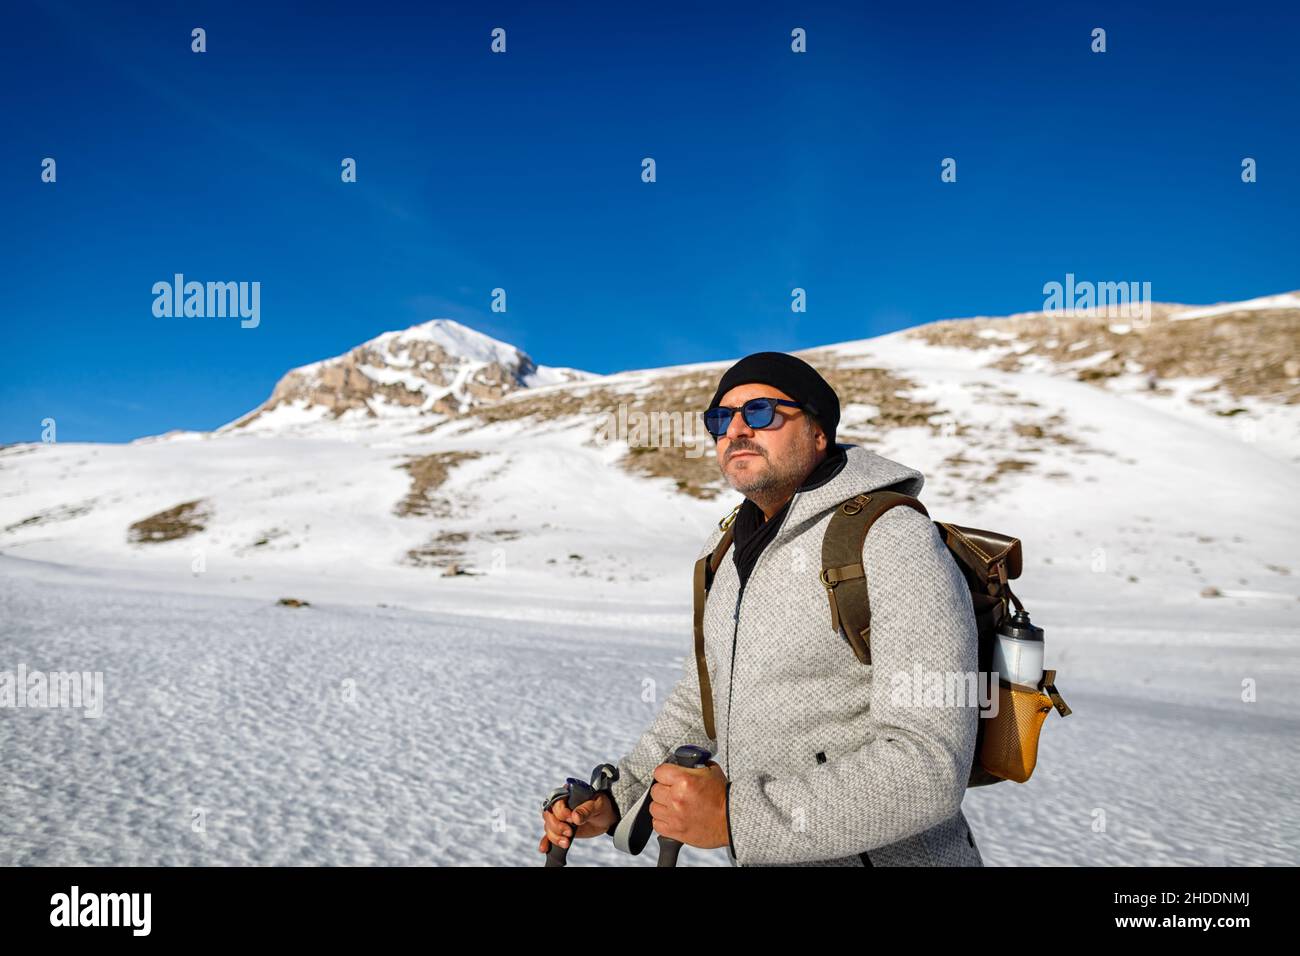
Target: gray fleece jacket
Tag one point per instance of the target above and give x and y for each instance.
(828, 763)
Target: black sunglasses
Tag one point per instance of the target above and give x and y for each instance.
(757, 413)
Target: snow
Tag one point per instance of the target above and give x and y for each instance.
(319, 735)
(454, 338)
(544, 375)
(393, 375)
(234, 710)
(1092, 361)
(1287, 300)
(500, 683)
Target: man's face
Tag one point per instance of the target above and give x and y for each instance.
(771, 459)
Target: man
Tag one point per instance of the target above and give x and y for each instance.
(828, 764)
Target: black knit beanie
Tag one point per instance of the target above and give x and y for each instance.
(791, 375)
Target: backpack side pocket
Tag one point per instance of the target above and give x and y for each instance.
(1010, 745)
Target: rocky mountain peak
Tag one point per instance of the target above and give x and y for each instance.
(440, 367)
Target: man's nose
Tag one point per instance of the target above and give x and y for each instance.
(737, 427)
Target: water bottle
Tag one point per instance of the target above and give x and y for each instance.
(1018, 652)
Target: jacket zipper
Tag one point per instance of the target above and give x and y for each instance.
(735, 629)
(731, 681)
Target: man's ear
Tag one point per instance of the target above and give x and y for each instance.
(819, 433)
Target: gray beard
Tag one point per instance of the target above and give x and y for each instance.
(770, 482)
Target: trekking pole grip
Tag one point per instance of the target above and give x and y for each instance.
(574, 793)
(686, 756)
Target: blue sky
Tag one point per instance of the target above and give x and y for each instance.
(523, 171)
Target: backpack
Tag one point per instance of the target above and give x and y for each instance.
(1006, 745)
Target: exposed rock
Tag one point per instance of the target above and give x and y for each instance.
(428, 472)
(184, 520)
(58, 513)
(438, 550)
(1247, 351)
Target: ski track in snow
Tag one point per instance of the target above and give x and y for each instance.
(235, 708)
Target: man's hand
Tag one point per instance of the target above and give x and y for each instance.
(689, 804)
(591, 819)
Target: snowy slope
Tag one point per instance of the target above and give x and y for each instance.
(457, 727)
(1287, 300)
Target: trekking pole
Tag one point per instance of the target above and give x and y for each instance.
(687, 756)
(575, 793)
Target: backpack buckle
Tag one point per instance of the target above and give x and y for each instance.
(856, 505)
(833, 576)
(999, 569)
(726, 521)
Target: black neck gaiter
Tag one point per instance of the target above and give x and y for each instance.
(752, 533)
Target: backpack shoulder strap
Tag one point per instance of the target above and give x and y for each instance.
(842, 573)
(705, 568)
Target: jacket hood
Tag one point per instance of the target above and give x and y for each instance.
(863, 471)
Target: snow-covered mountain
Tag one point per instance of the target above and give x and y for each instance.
(440, 367)
(438, 445)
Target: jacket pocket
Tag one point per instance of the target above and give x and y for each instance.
(866, 860)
